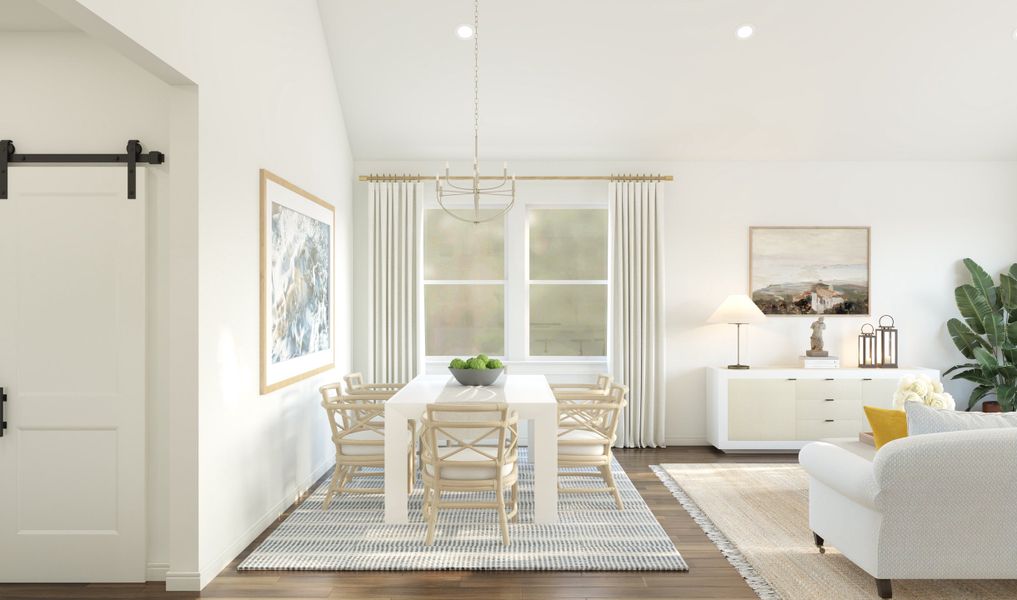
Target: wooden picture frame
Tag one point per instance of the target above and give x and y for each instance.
(297, 281)
(841, 266)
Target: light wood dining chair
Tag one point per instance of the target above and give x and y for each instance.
(355, 385)
(587, 430)
(566, 390)
(357, 422)
(483, 458)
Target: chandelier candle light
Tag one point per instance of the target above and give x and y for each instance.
(506, 187)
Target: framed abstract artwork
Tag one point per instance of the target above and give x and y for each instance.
(810, 270)
(297, 228)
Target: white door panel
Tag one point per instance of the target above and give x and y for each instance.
(72, 361)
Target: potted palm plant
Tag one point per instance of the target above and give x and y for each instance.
(987, 336)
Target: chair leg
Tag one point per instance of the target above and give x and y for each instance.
(819, 542)
(432, 520)
(332, 486)
(502, 518)
(605, 471)
(515, 501)
(884, 588)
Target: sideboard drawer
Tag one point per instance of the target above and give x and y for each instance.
(823, 408)
(817, 429)
(823, 389)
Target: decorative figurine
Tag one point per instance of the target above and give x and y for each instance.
(817, 339)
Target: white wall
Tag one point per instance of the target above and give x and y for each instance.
(266, 99)
(925, 217)
(73, 94)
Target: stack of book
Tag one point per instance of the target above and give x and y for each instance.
(820, 362)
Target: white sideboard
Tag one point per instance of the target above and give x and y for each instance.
(776, 409)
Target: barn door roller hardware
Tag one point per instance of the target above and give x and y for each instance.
(132, 158)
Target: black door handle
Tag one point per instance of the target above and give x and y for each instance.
(3, 401)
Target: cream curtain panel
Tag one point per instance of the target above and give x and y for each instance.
(637, 310)
(393, 241)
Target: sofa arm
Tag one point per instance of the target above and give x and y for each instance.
(840, 470)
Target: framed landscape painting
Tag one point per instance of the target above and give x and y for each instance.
(809, 270)
(296, 283)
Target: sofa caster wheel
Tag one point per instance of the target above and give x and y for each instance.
(884, 588)
(819, 543)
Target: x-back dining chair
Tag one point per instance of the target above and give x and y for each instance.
(355, 385)
(482, 458)
(567, 390)
(357, 422)
(587, 430)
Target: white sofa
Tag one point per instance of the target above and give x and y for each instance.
(935, 506)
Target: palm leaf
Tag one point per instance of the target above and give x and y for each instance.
(994, 329)
(974, 376)
(1011, 332)
(973, 306)
(959, 367)
(981, 280)
(978, 393)
(965, 339)
(1013, 270)
(1008, 292)
(1006, 394)
(985, 358)
(1010, 354)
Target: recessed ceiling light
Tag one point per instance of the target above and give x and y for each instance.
(464, 32)
(744, 32)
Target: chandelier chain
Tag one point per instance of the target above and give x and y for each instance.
(476, 83)
(446, 188)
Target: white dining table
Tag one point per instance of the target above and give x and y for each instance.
(529, 395)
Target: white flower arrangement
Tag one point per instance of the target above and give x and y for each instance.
(923, 389)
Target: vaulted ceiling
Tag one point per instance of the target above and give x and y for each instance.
(669, 79)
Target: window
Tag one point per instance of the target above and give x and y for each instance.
(532, 284)
(464, 286)
(568, 282)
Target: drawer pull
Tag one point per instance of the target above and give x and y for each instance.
(830, 379)
(829, 421)
(866, 379)
(829, 400)
(792, 379)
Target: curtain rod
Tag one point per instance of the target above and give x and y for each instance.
(525, 177)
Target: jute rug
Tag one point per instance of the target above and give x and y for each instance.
(591, 535)
(758, 516)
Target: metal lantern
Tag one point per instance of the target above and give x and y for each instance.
(867, 347)
(886, 344)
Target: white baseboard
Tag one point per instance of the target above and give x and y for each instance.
(214, 567)
(156, 571)
(183, 581)
(687, 441)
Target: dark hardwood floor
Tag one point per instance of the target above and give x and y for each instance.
(709, 576)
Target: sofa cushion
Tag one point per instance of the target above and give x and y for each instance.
(887, 424)
(925, 419)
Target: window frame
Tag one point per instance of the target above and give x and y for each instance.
(529, 283)
(422, 328)
(517, 288)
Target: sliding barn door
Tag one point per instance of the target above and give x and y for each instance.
(72, 364)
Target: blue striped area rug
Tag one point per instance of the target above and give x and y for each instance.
(591, 535)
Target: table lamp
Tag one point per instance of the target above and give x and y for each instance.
(738, 309)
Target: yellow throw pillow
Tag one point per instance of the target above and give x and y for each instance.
(887, 424)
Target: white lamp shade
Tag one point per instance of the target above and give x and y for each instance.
(737, 308)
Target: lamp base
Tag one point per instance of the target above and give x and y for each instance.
(738, 366)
